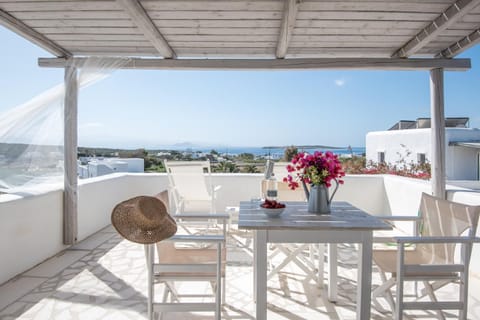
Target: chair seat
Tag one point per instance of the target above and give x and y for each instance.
(169, 254)
(386, 260)
(384, 239)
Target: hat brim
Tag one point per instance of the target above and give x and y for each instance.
(126, 220)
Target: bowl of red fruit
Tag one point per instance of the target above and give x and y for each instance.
(272, 208)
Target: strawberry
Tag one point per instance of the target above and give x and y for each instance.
(272, 204)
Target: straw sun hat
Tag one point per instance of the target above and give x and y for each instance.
(143, 220)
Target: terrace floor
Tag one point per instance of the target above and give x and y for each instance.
(104, 277)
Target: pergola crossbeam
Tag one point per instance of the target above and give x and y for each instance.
(286, 29)
(436, 27)
(277, 64)
(30, 34)
(141, 19)
(462, 45)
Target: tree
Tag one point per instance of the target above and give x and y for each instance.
(289, 153)
(227, 167)
(147, 163)
(173, 155)
(246, 156)
(138, 153)
(250, 168)
(153, 164)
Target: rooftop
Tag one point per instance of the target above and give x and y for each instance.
(421, 123)
(105, 277)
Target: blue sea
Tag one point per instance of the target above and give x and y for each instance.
(266, 151)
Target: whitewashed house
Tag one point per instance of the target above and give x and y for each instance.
(95, 167)
(410, 142)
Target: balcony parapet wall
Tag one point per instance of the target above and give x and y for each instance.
(32, 223)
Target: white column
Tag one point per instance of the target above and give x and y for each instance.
(70, 227)
(438, 132)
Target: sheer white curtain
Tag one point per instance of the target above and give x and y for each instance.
(31, 134)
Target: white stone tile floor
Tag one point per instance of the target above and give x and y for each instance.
(56, 264)
(104, 277)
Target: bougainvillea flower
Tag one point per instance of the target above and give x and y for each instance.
(314, 169)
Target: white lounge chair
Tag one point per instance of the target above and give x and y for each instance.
(190, 186)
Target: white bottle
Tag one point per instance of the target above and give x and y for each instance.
(272, 188)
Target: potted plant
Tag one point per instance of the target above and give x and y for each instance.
(317, 170)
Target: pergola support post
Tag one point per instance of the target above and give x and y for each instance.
(70, 215)
(438, 133)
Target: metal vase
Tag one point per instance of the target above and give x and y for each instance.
(318, 199)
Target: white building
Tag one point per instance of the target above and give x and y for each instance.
(410, 141)
(95, 167)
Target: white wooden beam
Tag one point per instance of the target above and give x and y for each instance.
(462, 45)
(141, 19)
(277, 64)
(30, 34)
(70, 207)
(438, 133)
(288, 23)
(435, 28)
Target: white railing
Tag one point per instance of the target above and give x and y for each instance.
(31, 226)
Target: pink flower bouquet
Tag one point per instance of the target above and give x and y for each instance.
(314, 169)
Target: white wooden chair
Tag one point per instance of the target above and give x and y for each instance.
(190, 186)
(174, 264)
(432, 259)
(295, 253)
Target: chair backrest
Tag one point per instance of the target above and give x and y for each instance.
(280, 170)
(190, 179)
(163, 196)
(284, 192)
(443, 218)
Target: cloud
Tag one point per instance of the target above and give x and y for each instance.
(339, 82)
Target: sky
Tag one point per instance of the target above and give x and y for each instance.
(153, 109)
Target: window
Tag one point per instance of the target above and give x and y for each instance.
(381, 157)
(421, 159)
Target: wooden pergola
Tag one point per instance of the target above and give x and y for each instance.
(254, 35)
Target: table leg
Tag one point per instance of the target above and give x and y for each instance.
(364, 281)
(260, 268)
(255, 269)
(332, 272)
(321, 262)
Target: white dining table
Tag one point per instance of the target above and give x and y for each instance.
(344, 224)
